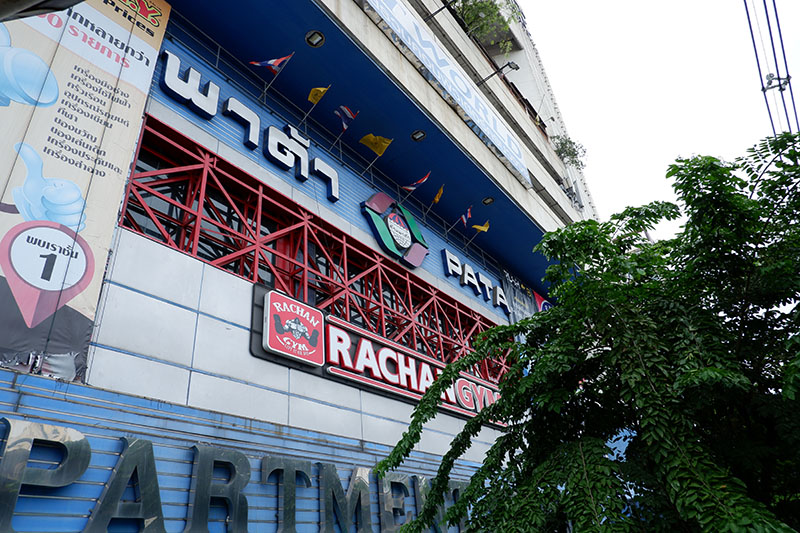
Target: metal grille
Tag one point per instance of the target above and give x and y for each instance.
(188, 198)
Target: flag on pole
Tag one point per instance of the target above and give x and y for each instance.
(483, 228)
(466, 216)
(413, 186)
(376, 143)
(438, 195)
(317, 93)
(346, 115)
(435, 199)
(478, 230)
(274, 65)
(314, 97)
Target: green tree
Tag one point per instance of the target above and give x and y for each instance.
(569, 151)
(488, 20)
(686, 349)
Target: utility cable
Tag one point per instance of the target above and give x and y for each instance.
(786, 65)
(777, 66)
(766, 62)
(758, 64)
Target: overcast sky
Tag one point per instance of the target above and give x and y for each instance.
(642, 83)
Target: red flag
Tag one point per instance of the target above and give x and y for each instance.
(466, 216)
(416, 184)
(274, 65)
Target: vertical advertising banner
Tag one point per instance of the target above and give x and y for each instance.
(73, 85)
(524, 301)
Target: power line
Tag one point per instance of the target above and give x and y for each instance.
(786, 65)
(769, 76)
(777, 66)
(758, 64)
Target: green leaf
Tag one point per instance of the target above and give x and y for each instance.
(685, 350)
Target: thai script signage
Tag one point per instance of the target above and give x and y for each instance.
(453, 80)
(294, 330)
(480, 284)
(73, 85)
(136, 465)
(524, 300)
(287, 148)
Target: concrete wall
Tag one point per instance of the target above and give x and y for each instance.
(172, 328)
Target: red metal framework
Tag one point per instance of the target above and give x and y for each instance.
(188, 198)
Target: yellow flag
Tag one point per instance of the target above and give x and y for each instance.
(485, 226)
(317, 93)
(438, 194)
(376, 143)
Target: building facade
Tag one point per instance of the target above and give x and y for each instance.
(238, 244)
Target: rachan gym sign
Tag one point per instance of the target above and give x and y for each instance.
(294, 330)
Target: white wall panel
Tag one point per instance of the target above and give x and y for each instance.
(223, 349)
(383, 406)
(226, 396)
(133, 375)
(138, 323)
(446, 423)
(226, 296)
(382, 430)
(488, 435)
(477, 452)
(312, 415)
(434, 442)
(311, 386)
(156, 269)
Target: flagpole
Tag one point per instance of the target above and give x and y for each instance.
(369, 167)
(313, 106)
(434, 202)
(472, 239)
(429, 209)
(453, 226)
(336, 140)
(266, 89)
(309, 112)
(275, 77)
(406, 197)
(344, 129)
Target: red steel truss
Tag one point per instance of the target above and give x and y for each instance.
(190, 199)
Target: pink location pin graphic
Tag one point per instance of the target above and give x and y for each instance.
(46, 265)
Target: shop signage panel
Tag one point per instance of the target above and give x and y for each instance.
(287, 148)
(481, 284)
(395, 229)
(293, 330)
(73, 85)
(368, 359)
(452, 79)
(524, 300)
